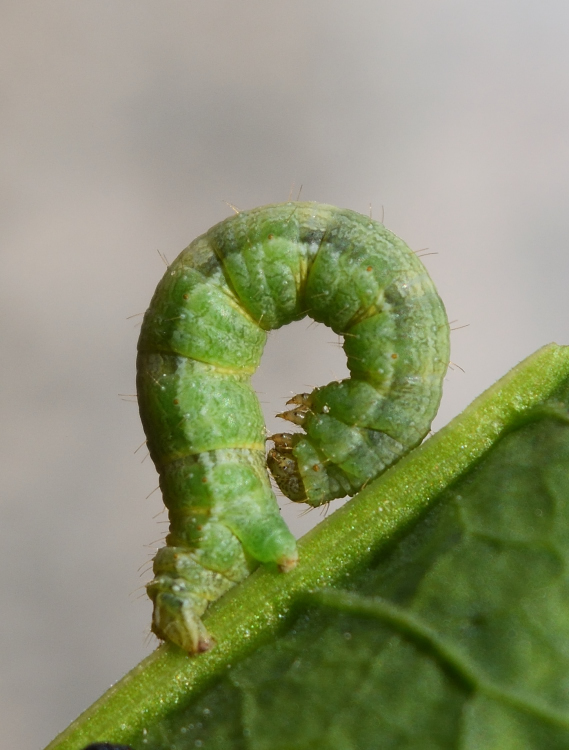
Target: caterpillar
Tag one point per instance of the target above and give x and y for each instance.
(202, 338)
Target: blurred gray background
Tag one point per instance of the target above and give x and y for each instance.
(126, 125)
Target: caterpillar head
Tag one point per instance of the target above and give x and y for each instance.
(284, 468)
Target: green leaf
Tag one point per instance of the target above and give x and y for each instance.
(432, 611)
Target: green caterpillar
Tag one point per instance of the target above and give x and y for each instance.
(202, 338)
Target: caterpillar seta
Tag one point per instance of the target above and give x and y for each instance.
(202, 338)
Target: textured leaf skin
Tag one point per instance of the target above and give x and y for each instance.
(201, 339)
(347, 541)
(457, 637)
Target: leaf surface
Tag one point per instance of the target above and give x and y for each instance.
(431, 612)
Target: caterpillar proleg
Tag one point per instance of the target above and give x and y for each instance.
(202, 338)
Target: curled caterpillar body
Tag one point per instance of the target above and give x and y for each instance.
(202, 338)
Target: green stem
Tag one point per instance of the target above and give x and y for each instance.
(257, 609)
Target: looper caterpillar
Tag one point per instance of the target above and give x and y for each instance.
(202, 338)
